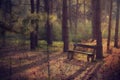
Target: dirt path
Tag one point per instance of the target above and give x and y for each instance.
(32, 65)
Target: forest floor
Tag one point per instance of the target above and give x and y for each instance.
(33, 65)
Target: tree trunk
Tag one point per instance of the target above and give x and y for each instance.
(32, 40)
(70, 20)
(48, 4)
(109, 26)
(117, 25)
(94, 29)
(65, 27)
(32, 37)
(8, 6)
(76, 20)
(84, 12)
(36, 35)
(37, 22)
(37, 6)
(97, 23)
(48, 33)
(32, 6)
(3, 38)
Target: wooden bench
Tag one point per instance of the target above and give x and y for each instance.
(88, 50)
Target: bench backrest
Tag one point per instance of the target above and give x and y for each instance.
(93, 47)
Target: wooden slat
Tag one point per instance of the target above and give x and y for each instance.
(85, 46)
(87, 53)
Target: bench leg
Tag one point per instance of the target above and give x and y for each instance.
(90, 56)
(67, 55)
(70, 55)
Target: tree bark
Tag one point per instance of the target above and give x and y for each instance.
(32, 36)
(37, 23)
(48, 8)
(32, 6)
(84, 12)
(97, 24)
(34, 33)
(65, 27)
(109, 26)
(76, 21)
(93, 19)
(8, 6)
(70, 20)
(117, 25)
(3, 32)
(32, 40)
(37, 6)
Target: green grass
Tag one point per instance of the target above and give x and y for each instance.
(56, 46)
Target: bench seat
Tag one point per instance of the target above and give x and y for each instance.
(89, 54)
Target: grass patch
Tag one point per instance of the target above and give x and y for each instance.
(56, 46)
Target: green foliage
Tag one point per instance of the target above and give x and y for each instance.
(56, 46)
(42, 44)
(42, 35)
(84, 32)
(21, 19)
(57, 31)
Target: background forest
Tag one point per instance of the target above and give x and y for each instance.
(38, 39)
(16, 16)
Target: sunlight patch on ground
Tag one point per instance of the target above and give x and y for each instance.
(81, 57)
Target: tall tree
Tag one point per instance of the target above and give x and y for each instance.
(70, 18)
(76, 19)
(32, 6)
(37, 21)
(93, 5)
(65, 36)
(8, 6)
(34, 24)
(36, 31)
(32, 33)
(3, 34)
(33, 36)
(117, 25)
(109, 26)
(97, 23)
(6, 9)
(48, 7)
(37, 6)
(84, 12)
